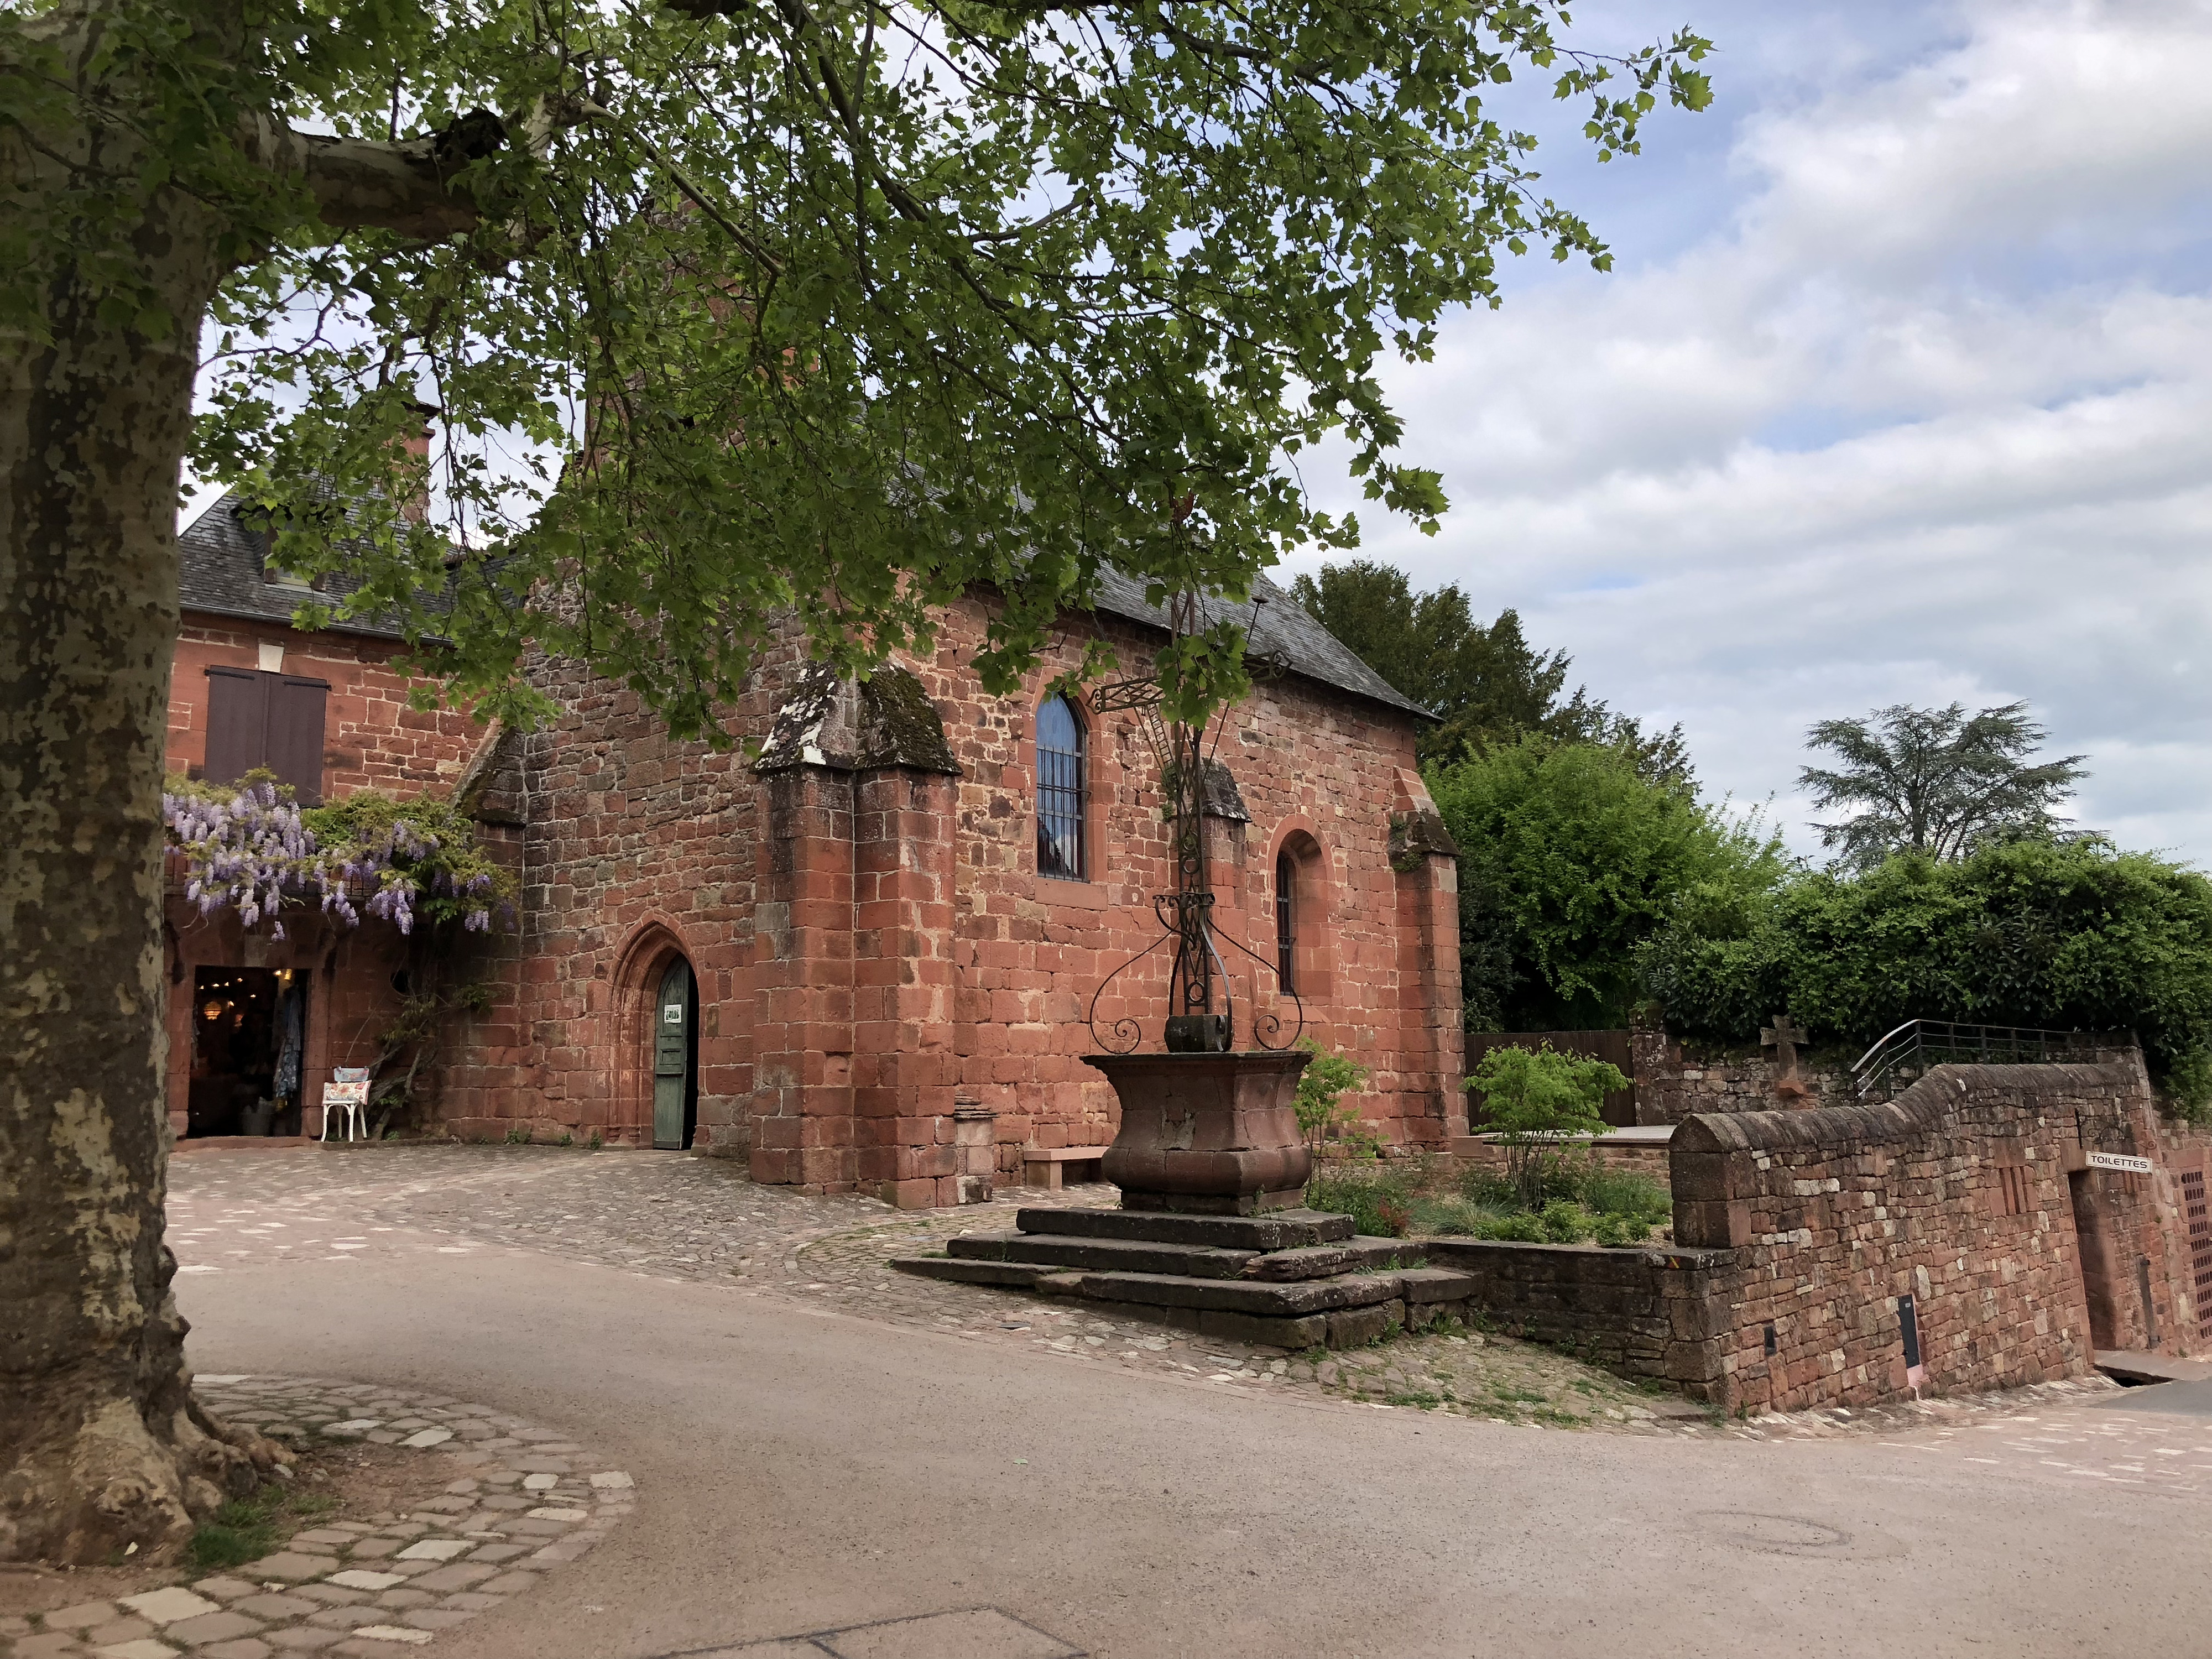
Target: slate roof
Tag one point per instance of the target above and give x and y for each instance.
(220, 572)
(1285, 629)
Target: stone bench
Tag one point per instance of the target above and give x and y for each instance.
(1052, 1167)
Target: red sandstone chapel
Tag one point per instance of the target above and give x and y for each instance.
(860, 954)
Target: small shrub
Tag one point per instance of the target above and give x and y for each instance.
(1491, 1189)
(595, 1143)
(1327, 1125)
(1520, 1228)
(1619, 1231)
(1566, 1222)
(519, 1137)
(1537, 1098)
(1629, 1194)
(568, 1140)
(1379, 1205)
(1451, 1217)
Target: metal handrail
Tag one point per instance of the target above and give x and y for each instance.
(1920, 1038)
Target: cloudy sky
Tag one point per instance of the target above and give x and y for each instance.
(1901, 390)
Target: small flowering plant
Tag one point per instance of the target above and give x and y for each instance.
(250, 848)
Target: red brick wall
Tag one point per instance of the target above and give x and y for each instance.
(873, 946)
(371, 738)
(638, 848)
(1834, 1214)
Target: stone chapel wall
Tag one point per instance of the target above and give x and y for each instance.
(876, 951)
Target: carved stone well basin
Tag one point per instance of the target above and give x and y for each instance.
(1207, 1133)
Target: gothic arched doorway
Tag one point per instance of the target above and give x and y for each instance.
(676, 1058)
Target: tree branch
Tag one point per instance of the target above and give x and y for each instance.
(408, 188)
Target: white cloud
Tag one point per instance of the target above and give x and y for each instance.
(1924, 413)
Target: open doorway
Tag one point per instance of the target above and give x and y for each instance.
(249, 1041)
(676, 1058)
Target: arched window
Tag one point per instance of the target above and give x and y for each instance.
(1286, 920)
(1063, 792)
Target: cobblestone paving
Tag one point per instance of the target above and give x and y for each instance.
(521, 1501)
(676, 1217)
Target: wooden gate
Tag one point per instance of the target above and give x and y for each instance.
(1619, 1107)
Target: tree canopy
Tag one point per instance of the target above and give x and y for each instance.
(1933, 780)
(721, 314)
(1569, 858)
(2064, 936)
(724, 308)
(1487, 686)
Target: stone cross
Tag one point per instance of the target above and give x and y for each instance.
(1783, 1037)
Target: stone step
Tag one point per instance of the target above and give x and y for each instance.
(1014, 1275)
(1292, 1301)
(1437, 1284)
(1359, 1254)
(1280, 1230)
(1110, 1254)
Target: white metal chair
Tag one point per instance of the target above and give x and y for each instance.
(357, 1077)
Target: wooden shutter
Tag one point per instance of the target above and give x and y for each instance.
(237, 722)
(295, 750)
(274, 721)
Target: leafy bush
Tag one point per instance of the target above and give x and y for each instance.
(1566, 1222)
(1536, 1096)
(1618, 1231)
(1569, 857)
(1379, 1206)
(2068, 936)
(1488, 1189)
(1519, 1228)
(1321, 1119)
(1628, 1195)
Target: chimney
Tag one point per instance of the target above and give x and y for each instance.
(418, 444)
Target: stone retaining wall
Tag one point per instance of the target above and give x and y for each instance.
(1659, 1313)
(1970, 1194)
(1673, 1083)
(1798, 1234)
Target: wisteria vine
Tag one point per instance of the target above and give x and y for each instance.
(250, 848)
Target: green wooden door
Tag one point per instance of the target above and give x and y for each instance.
(672, 1054)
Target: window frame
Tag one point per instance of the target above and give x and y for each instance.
(1062, 795)
(1286, 921)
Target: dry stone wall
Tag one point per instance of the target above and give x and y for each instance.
(1658, 1313)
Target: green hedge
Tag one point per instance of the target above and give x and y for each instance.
(2066, 936)
(1568, 857)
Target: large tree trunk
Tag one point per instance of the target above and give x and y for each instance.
(100, 1445)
